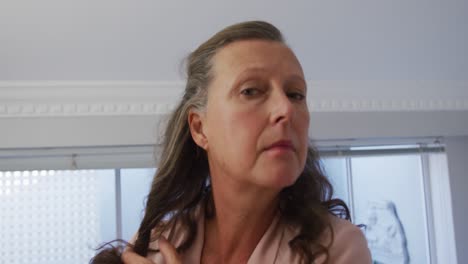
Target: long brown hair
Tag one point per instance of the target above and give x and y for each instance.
(182, 178)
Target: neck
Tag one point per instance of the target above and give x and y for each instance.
(242, 216)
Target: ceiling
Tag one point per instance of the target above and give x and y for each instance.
(148, 40)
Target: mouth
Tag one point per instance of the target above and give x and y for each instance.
(281, 145)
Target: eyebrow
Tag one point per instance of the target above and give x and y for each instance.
(252, 69)
(243, 76)
(296, 77)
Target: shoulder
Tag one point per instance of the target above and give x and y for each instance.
(345, 241)
(349, 244)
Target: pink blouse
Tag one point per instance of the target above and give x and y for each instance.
(349, 245)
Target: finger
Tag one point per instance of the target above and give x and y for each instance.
(130, 257)
(169, 252)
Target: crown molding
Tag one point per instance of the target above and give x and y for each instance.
(87, 98)
(143, 98)
(388, 96)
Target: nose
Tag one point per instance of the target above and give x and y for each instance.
(282, 108)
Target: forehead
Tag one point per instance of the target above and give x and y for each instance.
(259, 55)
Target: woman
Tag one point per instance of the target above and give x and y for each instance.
(237, 180)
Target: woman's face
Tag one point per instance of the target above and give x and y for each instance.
(256, 120)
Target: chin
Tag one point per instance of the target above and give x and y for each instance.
(280, 179)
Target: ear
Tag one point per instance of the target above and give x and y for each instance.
(195, 121)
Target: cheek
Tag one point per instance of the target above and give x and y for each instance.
(302, 129)
(301, 121)
(235, 135)
(239, 124)
(243, 131)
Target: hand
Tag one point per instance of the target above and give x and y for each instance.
(130, 257)
(167, 250)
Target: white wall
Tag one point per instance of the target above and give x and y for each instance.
(146, 40)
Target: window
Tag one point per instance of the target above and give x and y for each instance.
(135, 185)
(389, 191)
(54, 216)
(60, 215)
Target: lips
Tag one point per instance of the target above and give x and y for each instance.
(281, 144)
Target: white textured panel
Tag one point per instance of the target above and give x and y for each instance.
(48, 216)
(53, 98)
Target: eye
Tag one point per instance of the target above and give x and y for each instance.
(251, 92)
(296, 96)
